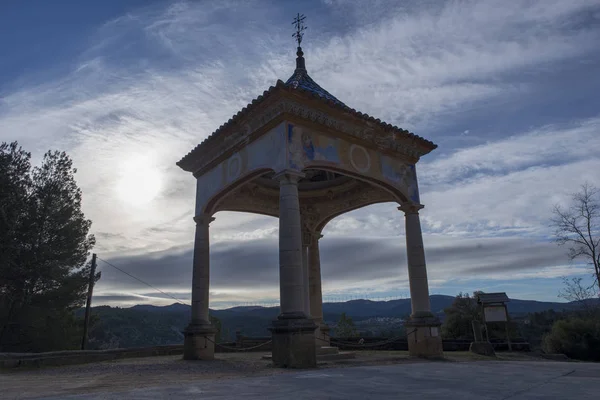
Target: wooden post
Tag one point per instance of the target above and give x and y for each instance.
(88, 303)
(506, 328)
(485, 323)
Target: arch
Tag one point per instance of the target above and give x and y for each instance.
(377, 192)
(395, 191)
(246, 212)
(319, 226)
(211, 205)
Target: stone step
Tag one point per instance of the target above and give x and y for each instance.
(327, 350)
(346, 355)
(324, 357)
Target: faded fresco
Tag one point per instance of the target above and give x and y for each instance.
(206, 186)
(305, 147)
(402, 175)
(266, 152)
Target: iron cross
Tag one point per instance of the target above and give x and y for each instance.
(299, 24)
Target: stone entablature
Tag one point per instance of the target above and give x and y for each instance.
(281, 102)
(289, 146)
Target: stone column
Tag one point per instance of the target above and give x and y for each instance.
(306, 238)
(293, 331)
(423, 328)
(199, 335)
(315, 290)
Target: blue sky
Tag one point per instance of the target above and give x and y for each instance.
(508, 90)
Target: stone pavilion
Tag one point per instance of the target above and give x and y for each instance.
(298, 153)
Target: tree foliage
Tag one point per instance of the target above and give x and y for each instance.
(577, 338)
(578, 226)
(576, 333)
(345, 327)
(216, 322)
(44, 244)
(459, 316)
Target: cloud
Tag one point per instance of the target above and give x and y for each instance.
(246, 271)
(449, 56)
(510, 185)
(155, 82)
(543, 147)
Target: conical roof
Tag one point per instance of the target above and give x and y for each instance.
(301, 79)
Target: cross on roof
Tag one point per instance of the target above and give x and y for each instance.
(299, 25)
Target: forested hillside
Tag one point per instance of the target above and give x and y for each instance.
(146, 325)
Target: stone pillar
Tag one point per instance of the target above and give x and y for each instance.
(315, 291)
(423, 328)
(293, 332)
(305, 273)
(199, 335)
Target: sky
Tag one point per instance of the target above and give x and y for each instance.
(508, 91)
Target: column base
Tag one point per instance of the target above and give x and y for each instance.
(199, 342)
(323, 341)
(424, 337)
(294, 342)
(322, 334)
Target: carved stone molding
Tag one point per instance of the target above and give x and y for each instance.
(203, 219)
(371, 135)
(410, 208)
(375, 136)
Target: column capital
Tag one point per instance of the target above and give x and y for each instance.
(410, 208)
(310, 237)
(203, 219)
(288, 176)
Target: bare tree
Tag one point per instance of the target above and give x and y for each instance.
(575, 291)
(578, 226)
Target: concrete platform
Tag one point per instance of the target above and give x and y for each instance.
(479, 380)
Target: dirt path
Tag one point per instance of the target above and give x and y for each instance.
(139, 373)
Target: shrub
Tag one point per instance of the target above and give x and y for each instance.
(577, 338)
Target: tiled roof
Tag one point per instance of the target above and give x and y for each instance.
(487, 298)
(301, 80)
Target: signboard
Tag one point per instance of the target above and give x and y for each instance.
(495, 314)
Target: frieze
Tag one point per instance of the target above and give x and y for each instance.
(241, 137)
(369, 134)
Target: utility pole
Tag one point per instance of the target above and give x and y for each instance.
(88, 303)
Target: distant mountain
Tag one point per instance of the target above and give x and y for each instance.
(147, 325)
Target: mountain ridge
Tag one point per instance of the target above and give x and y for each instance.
(371, 308)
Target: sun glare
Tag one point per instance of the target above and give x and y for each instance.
(139, 181)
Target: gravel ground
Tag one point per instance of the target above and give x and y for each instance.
(140, 373)
(127, 374)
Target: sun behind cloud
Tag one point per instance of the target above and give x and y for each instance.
(139, 181)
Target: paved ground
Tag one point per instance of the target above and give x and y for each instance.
(403, 379)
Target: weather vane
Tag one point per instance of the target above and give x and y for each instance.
(299, 24)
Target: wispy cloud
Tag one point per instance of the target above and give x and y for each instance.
(156, 81)
(246, 270)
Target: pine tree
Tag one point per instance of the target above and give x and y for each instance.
(44, 244)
